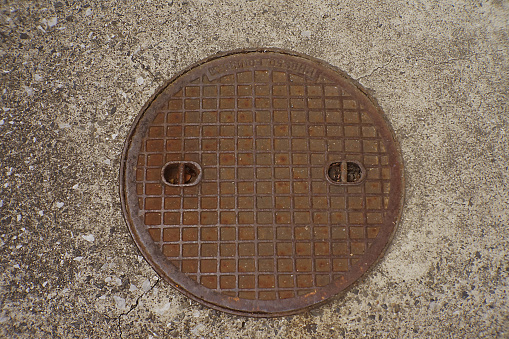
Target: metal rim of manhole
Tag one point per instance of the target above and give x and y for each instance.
(261, 182)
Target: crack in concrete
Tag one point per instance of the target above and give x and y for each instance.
(137, 60)
(375, 69)
(119, 318)
(483, 97)
(436, 63)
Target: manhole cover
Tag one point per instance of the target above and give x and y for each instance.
(261, 182)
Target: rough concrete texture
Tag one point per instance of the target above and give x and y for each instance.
(74, 75)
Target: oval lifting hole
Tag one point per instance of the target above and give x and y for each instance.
(190, 173)
(171, 174)
(334, 172)
(353, 172)
(346, 172)
(181, 173)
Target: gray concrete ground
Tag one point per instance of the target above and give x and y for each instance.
(74, 75)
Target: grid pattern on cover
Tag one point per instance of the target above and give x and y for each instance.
(263, 223)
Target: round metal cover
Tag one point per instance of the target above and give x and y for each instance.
(261, 182)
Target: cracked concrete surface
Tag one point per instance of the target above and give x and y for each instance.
(74, 75)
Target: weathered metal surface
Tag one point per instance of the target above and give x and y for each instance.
(261, 182)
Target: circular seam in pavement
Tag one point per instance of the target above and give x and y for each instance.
(261, 182)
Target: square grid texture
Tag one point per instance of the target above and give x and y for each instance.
(263, 223)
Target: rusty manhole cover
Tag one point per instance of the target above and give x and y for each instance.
(261, 182)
